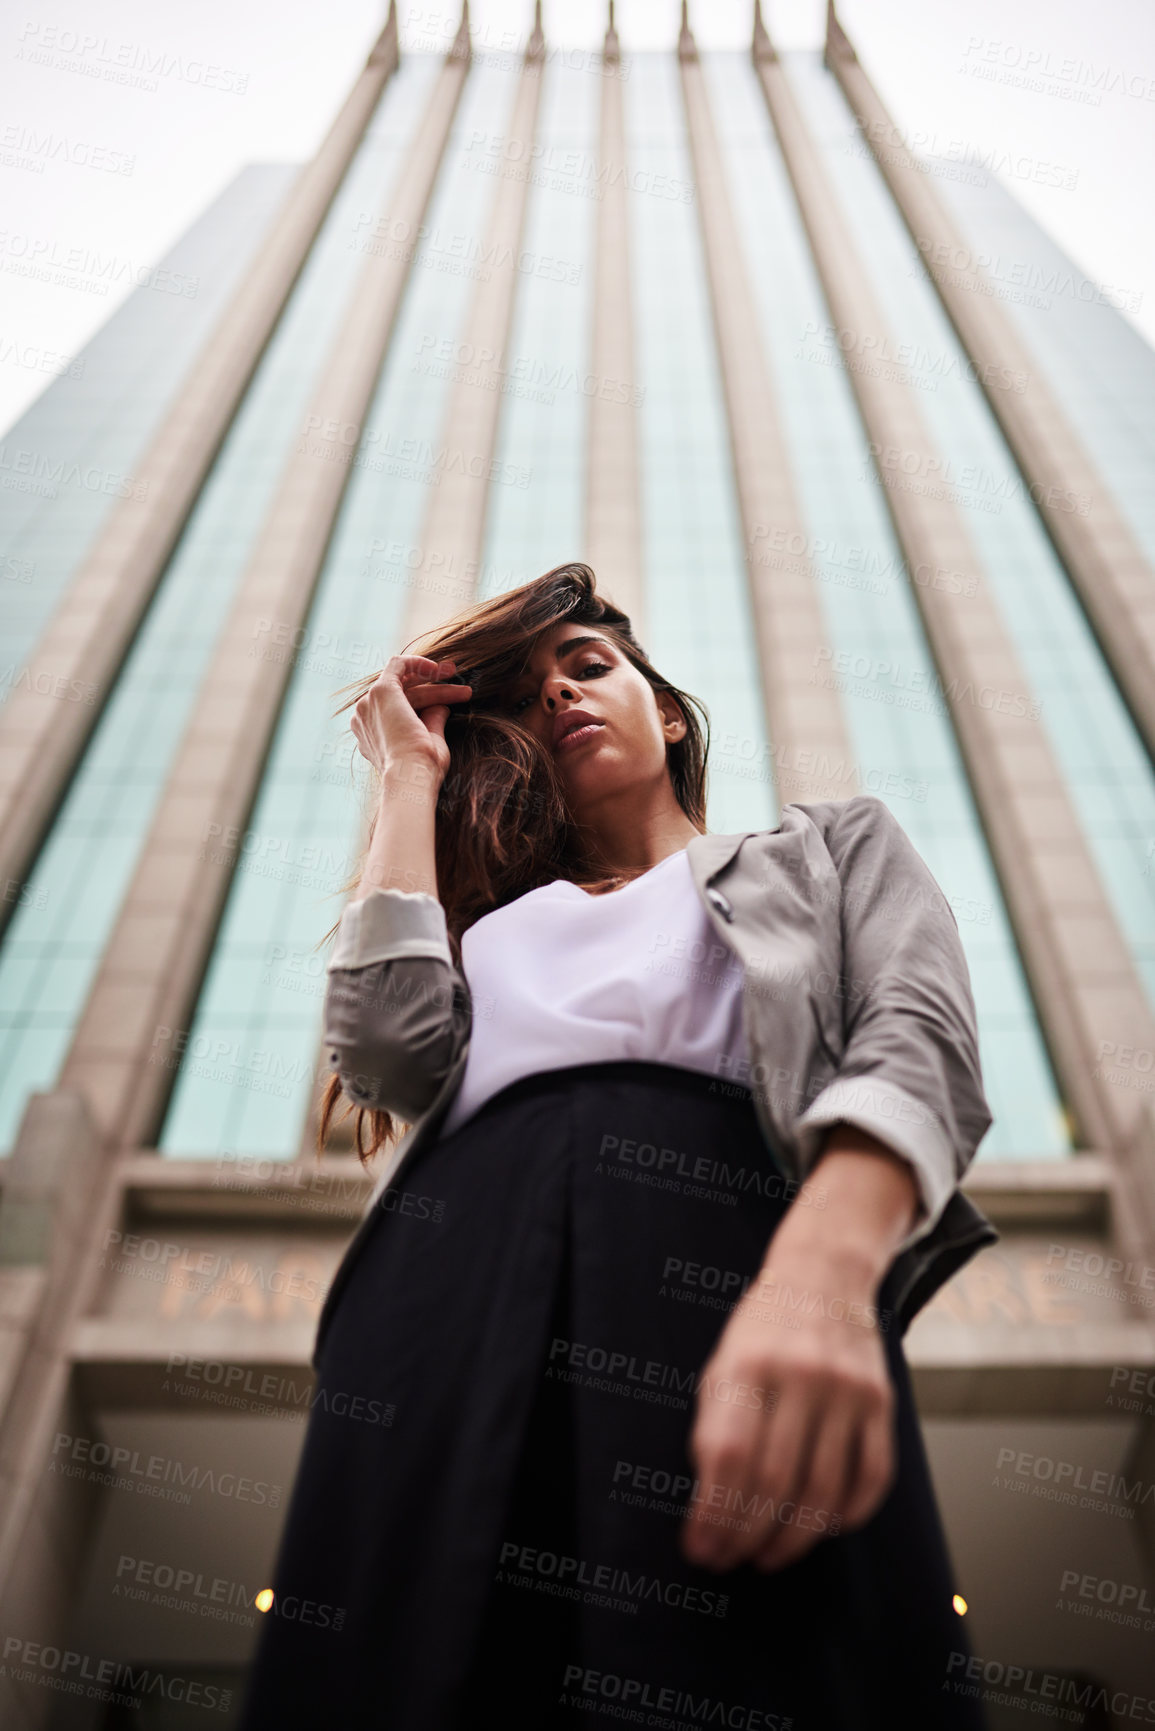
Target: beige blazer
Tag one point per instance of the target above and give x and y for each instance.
(857, 1007)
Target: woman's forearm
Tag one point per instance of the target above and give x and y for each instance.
(872, 1201)
(401, 853)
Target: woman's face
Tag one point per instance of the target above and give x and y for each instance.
(606, 726)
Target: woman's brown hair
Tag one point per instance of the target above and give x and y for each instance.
(501, 826)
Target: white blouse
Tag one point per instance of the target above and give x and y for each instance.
(560, 977)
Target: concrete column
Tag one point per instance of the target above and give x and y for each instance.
(805, 720)
(42, 736)
(1113, 578)
(1088, 996)
(613, 526)
(155, 957)
(453, 531)
(45, 1518)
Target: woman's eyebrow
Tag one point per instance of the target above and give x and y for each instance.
(566, 648)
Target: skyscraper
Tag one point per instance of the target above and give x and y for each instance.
(862, 454)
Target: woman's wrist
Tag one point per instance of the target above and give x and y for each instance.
(401, 852)
(872, 1201)
(415, 778)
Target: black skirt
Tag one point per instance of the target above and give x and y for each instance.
(485, 1517)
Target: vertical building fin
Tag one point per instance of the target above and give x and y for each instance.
(837, 45)
(535, 48)
(761, 47)
(386, 49)
(687, 47)
(611, 48)
(805, 720)
(462, 49)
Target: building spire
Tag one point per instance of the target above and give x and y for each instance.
(611, 48)
(535, 48)
(386, 48)
(462, 48)
(837, 42)
(687, 47)
(761, 48)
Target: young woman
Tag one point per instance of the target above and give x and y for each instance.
(612, 1418)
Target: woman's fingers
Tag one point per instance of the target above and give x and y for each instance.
(786, 1447)
(435, 718)
(420, 696)
(877, 1463)
(724, 1449)
(793, 1439)
(812, 1507)
(407, 703)
(422, 681)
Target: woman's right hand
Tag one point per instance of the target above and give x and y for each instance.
(400, 720)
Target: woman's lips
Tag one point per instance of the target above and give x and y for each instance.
(571, 740)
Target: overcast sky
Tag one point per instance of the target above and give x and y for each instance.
(259, 82)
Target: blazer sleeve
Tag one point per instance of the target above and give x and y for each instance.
(397, 1009)
(910, 1072)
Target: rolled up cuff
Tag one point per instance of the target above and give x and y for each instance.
(388, 923)
(905, 1125)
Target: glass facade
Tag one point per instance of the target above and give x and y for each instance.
(1096, 364)
(542, 430)
(253, 1061)
(902, 741)
(699, 630)
(57, 934)
(71, 455)
(253, 1052)
(1109, 775)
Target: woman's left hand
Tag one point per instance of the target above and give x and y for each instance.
(793, 1440)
